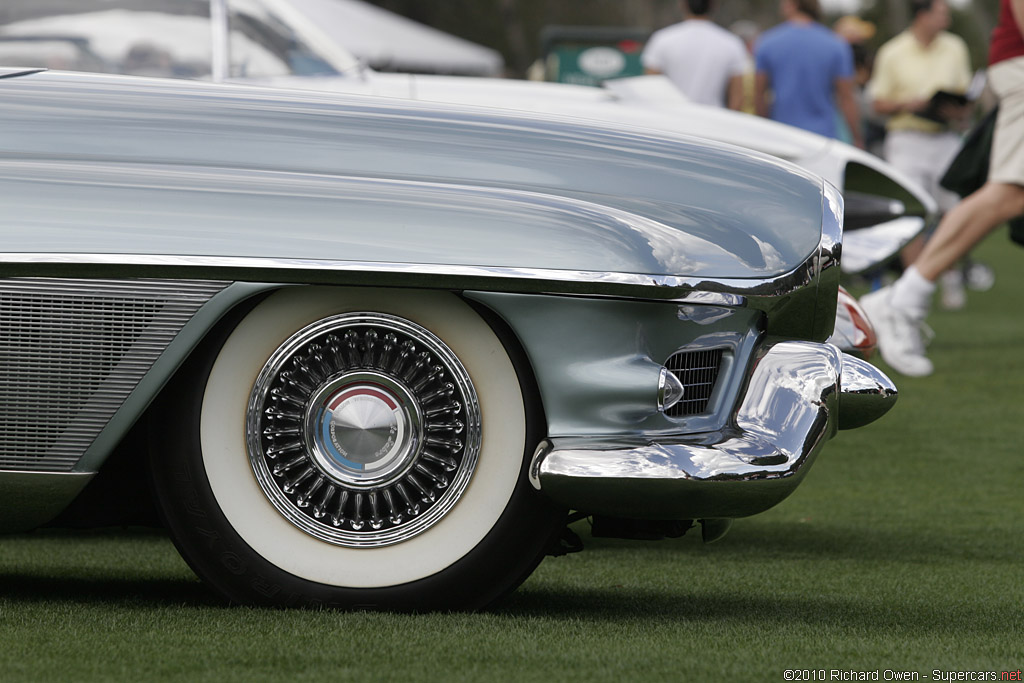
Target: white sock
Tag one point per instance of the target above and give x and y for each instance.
(913, 293)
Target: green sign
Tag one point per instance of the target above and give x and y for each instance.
(589, 56)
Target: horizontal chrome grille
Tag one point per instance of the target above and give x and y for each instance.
(697, 370)
(71, 351)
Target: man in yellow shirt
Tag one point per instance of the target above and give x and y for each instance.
(909, 69)
(899, 311)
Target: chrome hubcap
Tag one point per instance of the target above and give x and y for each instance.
(364, 429)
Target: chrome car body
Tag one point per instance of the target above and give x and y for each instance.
(273, 42)
(615, 321)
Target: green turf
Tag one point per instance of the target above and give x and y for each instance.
(902, 550)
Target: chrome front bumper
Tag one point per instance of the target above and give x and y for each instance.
(798, 395)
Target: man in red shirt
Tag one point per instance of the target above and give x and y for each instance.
(898, 311)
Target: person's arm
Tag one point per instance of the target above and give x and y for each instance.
(848, 105)
(741, 65)
(1017, 9)
(735, 93)
(890, 107)
(881, 89)
(957, 116)
(652, 57)
(761, 85)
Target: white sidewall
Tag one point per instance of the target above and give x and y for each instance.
(256, 520)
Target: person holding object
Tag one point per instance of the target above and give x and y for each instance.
(911, 68)
(704, 60)
(808, 69)
(898, 311)
(918, 83)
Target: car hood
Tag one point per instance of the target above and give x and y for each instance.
(540, 192)
(644, 102)
(640, 101)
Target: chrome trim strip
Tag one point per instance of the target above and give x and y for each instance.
(723, 291)
(791, 407)
(828, 265)
(711, 299)
(832, 223)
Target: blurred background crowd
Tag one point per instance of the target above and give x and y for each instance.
(515, 27)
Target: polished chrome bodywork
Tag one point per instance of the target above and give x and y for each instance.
(853, 332)
(798, 395)
(670, 390)
(363, 429)
(866, 393)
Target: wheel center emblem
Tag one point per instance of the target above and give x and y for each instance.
(363, 429)
(361, 426)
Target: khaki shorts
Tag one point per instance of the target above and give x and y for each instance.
(1007, 163)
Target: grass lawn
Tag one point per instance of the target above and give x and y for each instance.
(902, 551)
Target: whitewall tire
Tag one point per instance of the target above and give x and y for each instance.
(355, 446)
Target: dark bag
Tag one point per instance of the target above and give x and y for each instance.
(969, 170)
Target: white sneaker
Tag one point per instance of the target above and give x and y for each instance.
(951, 287)
(980, 277)
(900, 335)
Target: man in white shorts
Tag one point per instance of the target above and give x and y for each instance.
(909, 69)
(704, 60)
(898, 311)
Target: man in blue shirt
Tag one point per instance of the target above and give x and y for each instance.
(809, 70)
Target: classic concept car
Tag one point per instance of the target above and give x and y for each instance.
(291, 44)
(372, 351)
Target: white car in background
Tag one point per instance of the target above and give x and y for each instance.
(288, 43)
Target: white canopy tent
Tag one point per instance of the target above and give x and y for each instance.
(387, 41)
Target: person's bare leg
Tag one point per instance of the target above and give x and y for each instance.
(969, 221)
(898, 312)
(910, 252)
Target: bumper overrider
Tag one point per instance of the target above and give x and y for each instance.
(798, 395)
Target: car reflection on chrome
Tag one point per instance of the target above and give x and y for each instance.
(370, 352)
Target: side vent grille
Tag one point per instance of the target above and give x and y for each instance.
(697, 370)
(71, 351)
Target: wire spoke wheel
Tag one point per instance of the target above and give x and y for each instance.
(353, 447)
(364, 429)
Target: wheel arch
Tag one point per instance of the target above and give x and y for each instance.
(400, 596)
(126, 441)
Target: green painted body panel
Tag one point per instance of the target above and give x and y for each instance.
(597, 361)
(245, 172)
